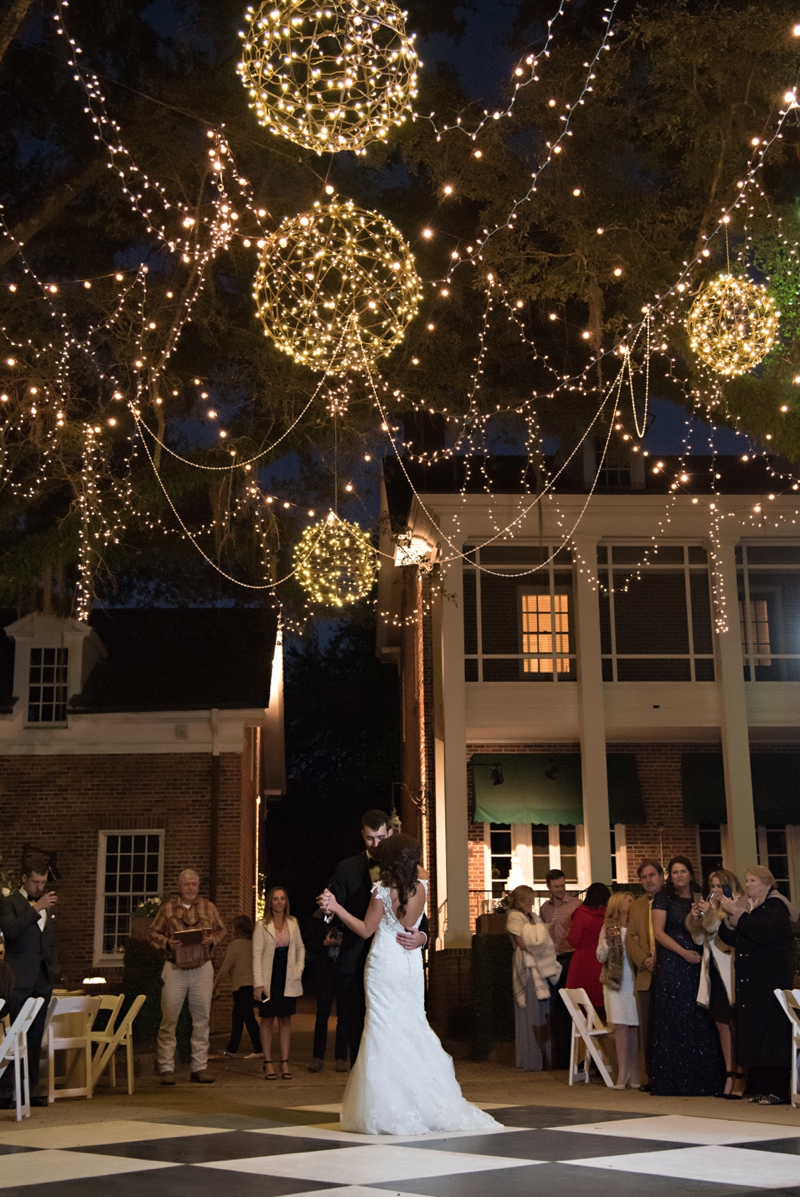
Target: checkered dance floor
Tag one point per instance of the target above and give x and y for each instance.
(579, 1153)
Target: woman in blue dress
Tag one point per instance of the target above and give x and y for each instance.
(687, 1060)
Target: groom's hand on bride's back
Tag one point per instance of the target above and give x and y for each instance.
(411, 940)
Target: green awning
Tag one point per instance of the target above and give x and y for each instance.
(547, 788)
(776, 787)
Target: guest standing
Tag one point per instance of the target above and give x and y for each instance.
(686, 1053)
(587, 922)
(557, 912)
(535, 967)
(640, 946)
(238, 965)
(716, 992)
(762, 938)
(278, 958)
(324, 940)
(618, 981)
(28, 925)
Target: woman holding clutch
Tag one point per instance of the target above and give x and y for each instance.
(278, 959)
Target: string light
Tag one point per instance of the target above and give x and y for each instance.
(336, 287)
(732, 324)
(329, 77)
(335, 562)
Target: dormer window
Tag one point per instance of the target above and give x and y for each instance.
(48, 678)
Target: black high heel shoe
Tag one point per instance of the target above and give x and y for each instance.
(269, 1076)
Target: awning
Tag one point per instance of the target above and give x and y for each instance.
(527, 787)
(776, 787)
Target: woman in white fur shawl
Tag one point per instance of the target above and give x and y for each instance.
(535, 966)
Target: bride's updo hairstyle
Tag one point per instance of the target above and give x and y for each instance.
(399, 859)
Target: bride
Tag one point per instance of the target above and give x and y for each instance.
(403, 1082)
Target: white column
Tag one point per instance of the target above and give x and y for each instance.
(596, 821)
(741, 842)
(453, 870)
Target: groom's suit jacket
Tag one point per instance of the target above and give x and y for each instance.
(28, 948)
(351, 885)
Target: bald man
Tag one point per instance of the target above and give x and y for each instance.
(187, 912)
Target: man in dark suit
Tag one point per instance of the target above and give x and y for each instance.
(26, 920)
(351, 885)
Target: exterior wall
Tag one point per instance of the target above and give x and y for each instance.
(61, 803)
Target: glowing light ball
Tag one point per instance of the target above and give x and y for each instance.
(336, 287)
(329, 76)
(335, 562)
(732, 324)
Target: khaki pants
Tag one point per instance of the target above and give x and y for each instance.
(196, 984)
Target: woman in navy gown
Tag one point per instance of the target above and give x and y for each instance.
(687, 1060)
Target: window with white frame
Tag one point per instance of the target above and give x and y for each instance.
(710, 851)
(530, 850)
(48, 677)
(130, 869)
(774, 852)
(655, 613)
(769, 611)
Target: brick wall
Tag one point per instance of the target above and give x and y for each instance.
(60, 803)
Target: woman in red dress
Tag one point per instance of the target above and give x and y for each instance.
(587, 922)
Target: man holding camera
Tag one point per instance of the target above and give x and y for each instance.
(26, 920)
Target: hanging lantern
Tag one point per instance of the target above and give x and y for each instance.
(329, 77)
(336, 287)
(732, 324)
(335, 562)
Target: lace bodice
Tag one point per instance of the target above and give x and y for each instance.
(390, 919)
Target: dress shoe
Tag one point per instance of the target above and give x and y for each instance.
(341, 1066)
(202, 1078)
(39, 1101)
(315, 1065)
(167, 1078)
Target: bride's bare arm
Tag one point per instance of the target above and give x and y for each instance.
(362, 927)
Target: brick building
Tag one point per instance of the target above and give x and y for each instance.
(598, 682)
(131, 747)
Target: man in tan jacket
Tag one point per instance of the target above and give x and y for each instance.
(641, 948)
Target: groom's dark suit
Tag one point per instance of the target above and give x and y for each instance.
(351, 885)
(32, 956)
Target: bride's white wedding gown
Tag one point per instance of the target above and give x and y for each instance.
(403, 1081)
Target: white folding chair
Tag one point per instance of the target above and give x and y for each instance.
(111, 1003)
(790, 1004)
(122, 1037)
(15, 1047)
(587, 1031)
(69, 1029)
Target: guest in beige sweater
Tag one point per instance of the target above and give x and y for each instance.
(238, 965)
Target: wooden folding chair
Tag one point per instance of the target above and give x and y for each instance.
(587, 1030)
(122, 1037)
(15, 1047)
(790, 1004)
(69, 1029)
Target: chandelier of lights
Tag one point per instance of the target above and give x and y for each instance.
(732, 324)
(336, 287)
(329, 77)
(335, 562)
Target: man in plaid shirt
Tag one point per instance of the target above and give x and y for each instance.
(187, 912)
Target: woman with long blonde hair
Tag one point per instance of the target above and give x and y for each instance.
(278, 959)
(618, 979)
(535, 968)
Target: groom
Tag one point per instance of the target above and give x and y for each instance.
(351, 885)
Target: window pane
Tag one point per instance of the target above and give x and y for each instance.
(779, 612)
(499, 670)
(650, 615)
(640, 554)
(702, 631)
(470, 670)
(470, 613)
(776, 554)
(697, 556)
(540, 840)
(654, 669)
(499, 614)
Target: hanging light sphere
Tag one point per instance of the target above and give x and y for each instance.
(335, 562)
(336, 287)
(732, 324)
(329, 77)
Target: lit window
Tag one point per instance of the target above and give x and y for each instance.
(545, 629)
(47, 685)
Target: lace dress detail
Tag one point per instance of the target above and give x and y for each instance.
(403, 1081)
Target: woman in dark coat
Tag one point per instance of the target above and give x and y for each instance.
(587, 923)
(762, 937)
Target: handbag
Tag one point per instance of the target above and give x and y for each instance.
(611, 972)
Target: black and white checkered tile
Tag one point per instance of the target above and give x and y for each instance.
(580, 1153)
